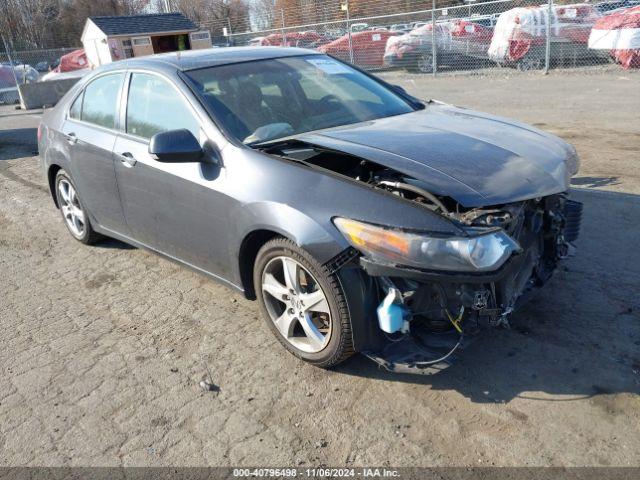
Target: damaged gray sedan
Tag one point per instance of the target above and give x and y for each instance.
(361, 218)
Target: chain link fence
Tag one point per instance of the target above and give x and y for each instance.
(433, 37)
(486, 37)
(25, 66)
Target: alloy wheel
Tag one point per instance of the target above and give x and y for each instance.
(71, 209)
(296, 304)
(425, 63)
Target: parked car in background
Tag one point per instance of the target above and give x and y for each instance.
(368, 47)
(359, 27)
(256, 42)
(520, 35)
(488, 21)
(458, 42)
(401, 27)
(607, 7)
(303, 39)
(361, 218)
(9, 73)
(42, 66)
(71, 65)
(619, 34)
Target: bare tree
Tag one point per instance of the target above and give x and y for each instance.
(263, 14)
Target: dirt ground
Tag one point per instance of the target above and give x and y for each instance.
(102, 348)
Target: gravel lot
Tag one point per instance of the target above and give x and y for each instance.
(102, 348)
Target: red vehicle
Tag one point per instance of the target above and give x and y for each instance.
(306, 39)
(368, 47)
(75, 60)
(619, 33)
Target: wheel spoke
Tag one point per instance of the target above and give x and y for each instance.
(64, 192)
(316, 339)
(315, 301)
(290, 274)
(273, 287)
(285, 323)
(72, 196)
(77, 224)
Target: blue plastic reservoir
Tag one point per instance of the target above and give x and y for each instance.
(391, 315)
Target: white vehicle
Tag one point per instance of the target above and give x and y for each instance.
(256, 42)
(359, 27)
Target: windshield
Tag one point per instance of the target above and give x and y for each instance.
(265, 100)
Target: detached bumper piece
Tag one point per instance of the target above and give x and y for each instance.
(420, 353)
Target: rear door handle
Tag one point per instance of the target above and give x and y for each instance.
(71, 138)
(127, 159)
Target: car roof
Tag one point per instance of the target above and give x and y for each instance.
(210, 57)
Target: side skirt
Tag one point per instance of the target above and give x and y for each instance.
(135, 243)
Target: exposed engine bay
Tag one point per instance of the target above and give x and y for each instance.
(424, 316)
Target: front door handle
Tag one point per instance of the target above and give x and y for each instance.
(127, 159)
(71, 138)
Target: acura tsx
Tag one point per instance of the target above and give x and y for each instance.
(362, 219)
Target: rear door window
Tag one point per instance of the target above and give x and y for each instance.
(100, 104)
(154, 106)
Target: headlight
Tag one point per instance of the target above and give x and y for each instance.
(477, 253)
(572, 161)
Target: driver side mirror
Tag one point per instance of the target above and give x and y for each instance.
(176, 146)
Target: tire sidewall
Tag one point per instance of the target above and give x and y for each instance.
(282, 248)
(63, 175)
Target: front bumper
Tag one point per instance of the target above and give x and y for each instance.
(476, 300)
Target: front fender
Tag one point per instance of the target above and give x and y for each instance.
(322, 241)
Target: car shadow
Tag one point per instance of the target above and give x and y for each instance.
(18, 143)
(112, 243)
(578, 338)
(595, 182)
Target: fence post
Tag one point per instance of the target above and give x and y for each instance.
(284, 37)
(434, 50)
(349, 31)
(13, 69)
(547, 53)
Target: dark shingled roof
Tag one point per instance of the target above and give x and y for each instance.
(133, 24)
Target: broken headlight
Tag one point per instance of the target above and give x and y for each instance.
(481, 251)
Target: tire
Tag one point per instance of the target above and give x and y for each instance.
(422, 63)
(81, 230)
(336, 344)
(530, 63)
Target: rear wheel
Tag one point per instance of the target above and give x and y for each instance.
(75, 216)
(302, 303)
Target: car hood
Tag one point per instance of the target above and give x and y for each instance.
(475, 158)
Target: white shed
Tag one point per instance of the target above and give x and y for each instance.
(111, 38)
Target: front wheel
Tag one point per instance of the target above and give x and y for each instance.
(303, 304)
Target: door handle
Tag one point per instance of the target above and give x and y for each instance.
(127, 159)
(71, 138)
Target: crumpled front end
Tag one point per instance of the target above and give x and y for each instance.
(436, 312)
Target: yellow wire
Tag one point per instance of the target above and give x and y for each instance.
(456, 321)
